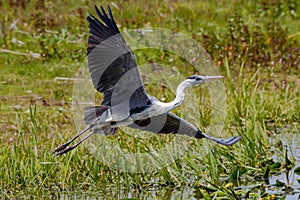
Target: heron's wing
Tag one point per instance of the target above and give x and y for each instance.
(112, 65)
(166, 123)
(170, 123)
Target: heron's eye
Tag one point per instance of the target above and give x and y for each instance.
(198, 79)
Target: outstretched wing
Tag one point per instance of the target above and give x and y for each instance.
(113, 67)
(167, 123)
(170, 123)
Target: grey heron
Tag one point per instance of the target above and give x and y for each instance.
(127, 103)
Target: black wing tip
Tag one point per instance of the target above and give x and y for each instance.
(103, 11)
(110, 13)
(90, 17)
(229, 141)
(108, 20)
(226, 142)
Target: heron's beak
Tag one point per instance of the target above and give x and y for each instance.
(211, 78)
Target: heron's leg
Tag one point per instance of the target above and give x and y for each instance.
(69, 148)
(63, 146)
(114, 131)
(226, 142)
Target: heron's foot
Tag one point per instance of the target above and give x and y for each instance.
(66, 148)
(229, 141)
(59, 149)
(62, 149)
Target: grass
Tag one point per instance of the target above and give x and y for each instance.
(255, 46)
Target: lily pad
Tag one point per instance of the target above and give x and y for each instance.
(275, 165)
(279, 183)
(297, 171)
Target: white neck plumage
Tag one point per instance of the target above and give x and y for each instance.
(179, 96)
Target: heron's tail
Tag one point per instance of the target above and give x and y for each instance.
(91, 113)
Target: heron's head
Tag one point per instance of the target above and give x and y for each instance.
(197, 80)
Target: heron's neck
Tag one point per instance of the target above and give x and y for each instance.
(179, 96)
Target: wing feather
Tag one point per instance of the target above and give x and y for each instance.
(112, 64)
(168, 123)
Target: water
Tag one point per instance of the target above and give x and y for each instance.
(291, 180)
